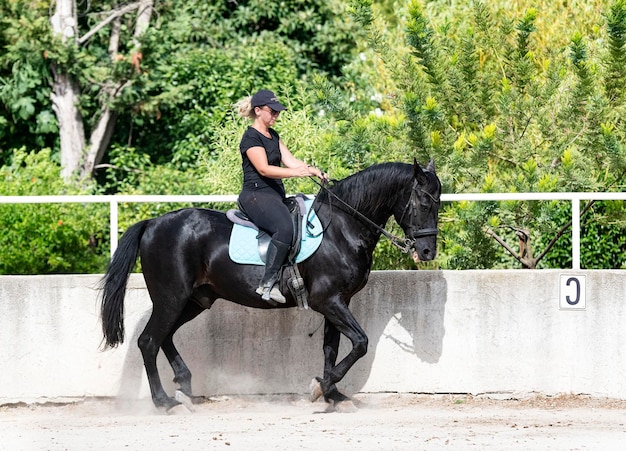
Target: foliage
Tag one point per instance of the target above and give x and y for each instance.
(602, 237)
(205, 56)
(506, 97)
(318, 31)
(177, 126)
(48, 238)
(501, 113)
(603, 242)
(197, 59)
(26, 116)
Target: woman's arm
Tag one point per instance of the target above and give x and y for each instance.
(293, 166)
(292, 162)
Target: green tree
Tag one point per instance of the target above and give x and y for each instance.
(26, 116)
(140, 74)
(82, 70)
(500, 113)
(206, 56)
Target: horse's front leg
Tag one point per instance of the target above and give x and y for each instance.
(338, 321)
(331, 348)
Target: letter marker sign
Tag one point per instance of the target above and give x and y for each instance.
(572, 292)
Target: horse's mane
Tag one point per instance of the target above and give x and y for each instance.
(371, 188)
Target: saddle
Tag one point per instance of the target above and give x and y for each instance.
(248, 244)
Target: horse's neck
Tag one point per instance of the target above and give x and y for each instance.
(363, 217)
(377, 203)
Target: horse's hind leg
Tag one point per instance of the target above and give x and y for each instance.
(182, 375)
(158, 328)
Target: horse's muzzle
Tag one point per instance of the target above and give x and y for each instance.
(424, 249)
(427, 255)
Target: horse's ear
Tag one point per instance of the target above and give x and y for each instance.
(431, 166)
(418, 173)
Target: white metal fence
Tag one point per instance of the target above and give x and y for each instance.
(114, 202)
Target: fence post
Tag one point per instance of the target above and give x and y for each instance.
(113, 218)
(575, 232)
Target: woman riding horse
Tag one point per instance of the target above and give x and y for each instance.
(263, 194)
(187, 268)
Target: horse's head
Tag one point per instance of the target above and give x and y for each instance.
(418, 215)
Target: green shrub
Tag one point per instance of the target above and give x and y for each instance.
(49, 238)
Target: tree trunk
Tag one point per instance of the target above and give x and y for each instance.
(99, 140)
(103, 130)
(75, 157)
(65, 94)
(144, 13)
(71, 131)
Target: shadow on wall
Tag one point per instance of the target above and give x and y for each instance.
(232, 349)
(412, 321)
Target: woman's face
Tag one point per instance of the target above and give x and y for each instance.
(267, 115)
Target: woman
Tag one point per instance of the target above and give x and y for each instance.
(263, 194)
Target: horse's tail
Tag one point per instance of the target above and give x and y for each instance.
(114, 284)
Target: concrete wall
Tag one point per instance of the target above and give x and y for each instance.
(430, 331)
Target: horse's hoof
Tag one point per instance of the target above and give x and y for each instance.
(199, 399)
(184, 400)
(316, 390)
(346, 406)
(178, 409)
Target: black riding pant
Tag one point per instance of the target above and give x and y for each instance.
(265, 207)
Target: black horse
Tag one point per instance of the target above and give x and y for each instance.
(186, 266)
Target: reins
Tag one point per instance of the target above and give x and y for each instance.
(403, 244)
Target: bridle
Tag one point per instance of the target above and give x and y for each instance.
(412, 206)
(403, 244)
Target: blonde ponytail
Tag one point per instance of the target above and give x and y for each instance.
(244, 108)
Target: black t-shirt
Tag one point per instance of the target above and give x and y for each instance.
(251, 177)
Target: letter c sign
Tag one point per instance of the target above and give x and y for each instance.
(572, 292)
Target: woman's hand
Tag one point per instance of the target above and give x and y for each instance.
(301, 170)
(319, 174)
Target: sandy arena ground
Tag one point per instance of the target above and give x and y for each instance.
(382, 422)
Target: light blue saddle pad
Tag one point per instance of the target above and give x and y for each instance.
(243, 247)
